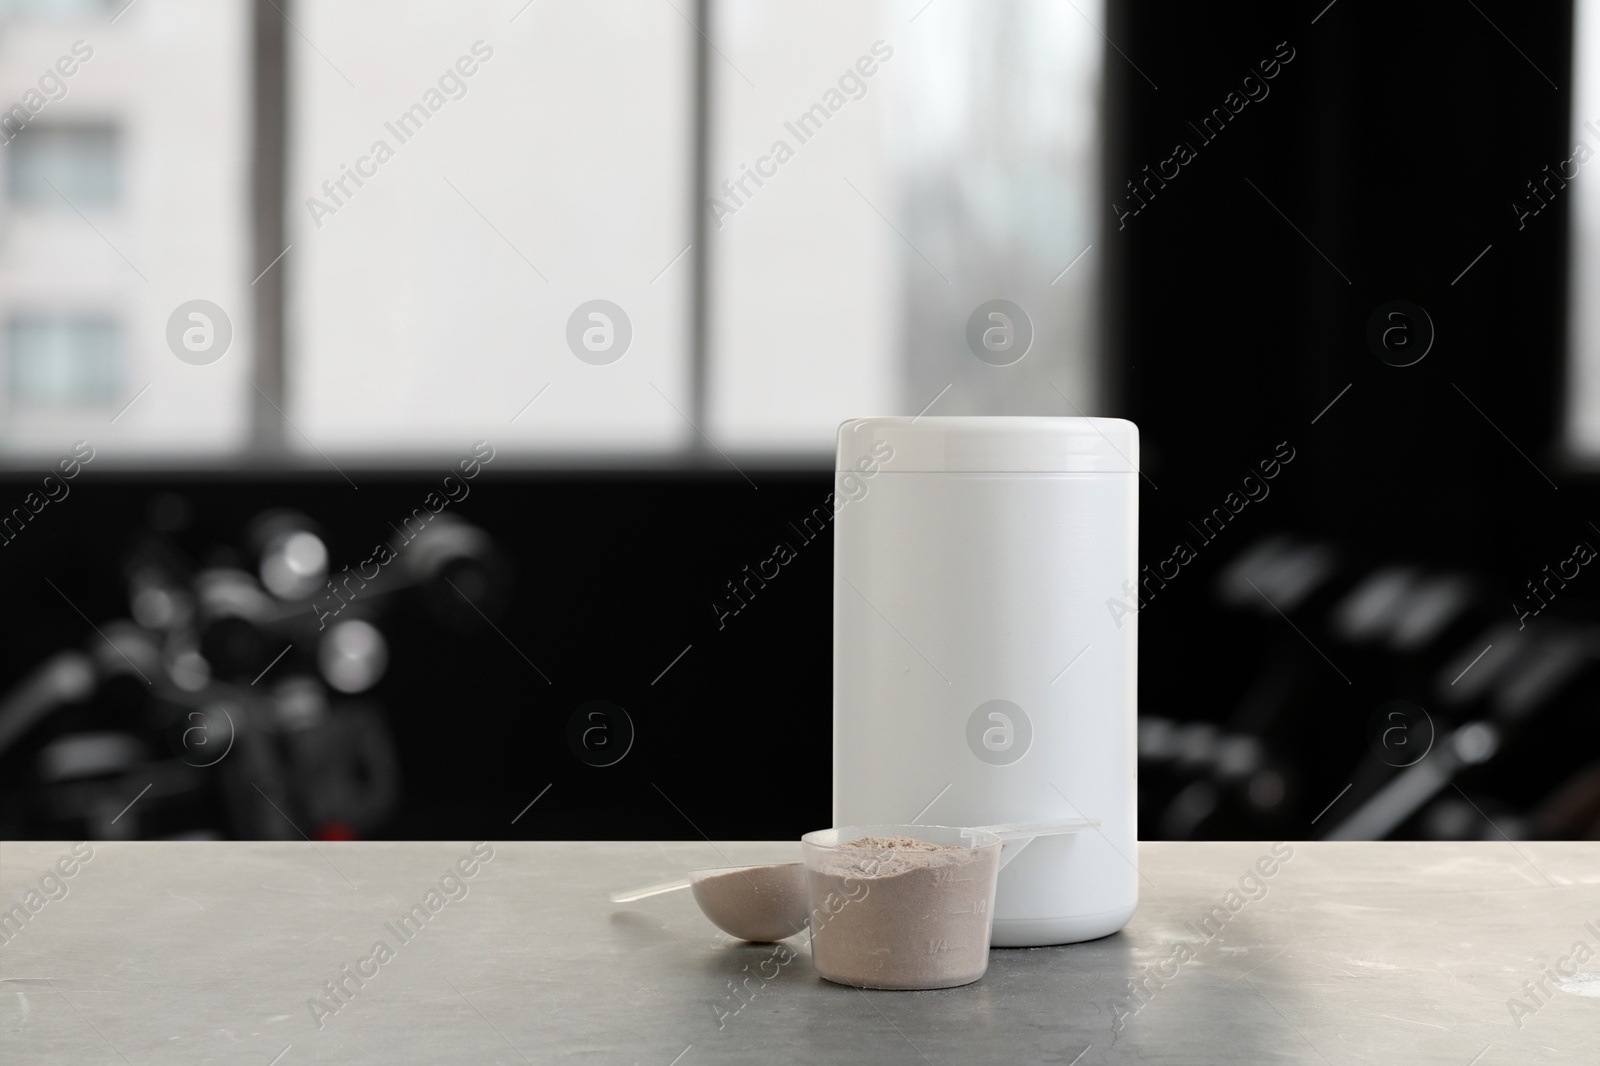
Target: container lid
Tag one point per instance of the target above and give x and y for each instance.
(989, 444)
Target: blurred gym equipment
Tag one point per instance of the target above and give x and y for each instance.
(224, 705)
(1386, 701)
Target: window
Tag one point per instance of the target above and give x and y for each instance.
(921, 161)
(1583, 412)
(61, 166)
(507, 175)
(62, 361)
(491, 225)
(55, 9)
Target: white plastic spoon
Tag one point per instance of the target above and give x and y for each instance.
(768, 901)
(762, 903)
(1014, 836)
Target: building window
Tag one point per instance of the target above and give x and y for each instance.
(55, 9)
(46, 163)
(62, 361)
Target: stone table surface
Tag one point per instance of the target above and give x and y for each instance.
(207, 952)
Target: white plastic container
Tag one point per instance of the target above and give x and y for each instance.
(984, 657)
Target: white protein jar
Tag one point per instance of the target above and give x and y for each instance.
(984, 649)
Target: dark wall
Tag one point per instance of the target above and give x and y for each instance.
(1384, 160)
(609, 577)
(1380, 164)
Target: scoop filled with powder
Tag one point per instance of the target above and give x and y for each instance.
(760, 903)
(901, 906)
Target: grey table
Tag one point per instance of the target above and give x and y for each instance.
(177, 953)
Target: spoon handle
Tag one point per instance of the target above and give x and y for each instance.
(1029, 830)
(1014, 836)
(653, 890)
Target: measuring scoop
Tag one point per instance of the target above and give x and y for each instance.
(761, 903)
(769, 901)
(910, 906)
